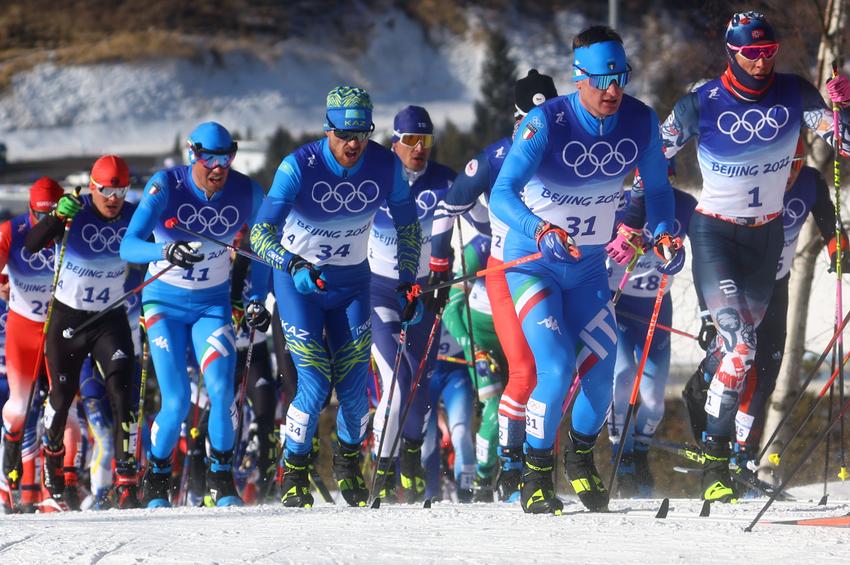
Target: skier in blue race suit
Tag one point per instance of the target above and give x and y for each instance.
(190, 303)
(413, 137)
(324, 197)
(747, 122)
(634, 309)
(558, 191)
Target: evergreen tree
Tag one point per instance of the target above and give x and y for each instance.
(494, 111)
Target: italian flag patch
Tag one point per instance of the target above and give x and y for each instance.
(529, 131)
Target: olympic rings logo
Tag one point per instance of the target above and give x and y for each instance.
(612, 161)
(38, 261)
(216, 222)
(753, 123)
(3, 317)
(793, 212)
(354, 199)
(425, 202)
(103, 239)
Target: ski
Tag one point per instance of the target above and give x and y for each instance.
(319, 484)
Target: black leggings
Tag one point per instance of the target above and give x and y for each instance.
(735, 270)
(111, 346)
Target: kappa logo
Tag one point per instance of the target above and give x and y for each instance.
(550, 323)
(161, 342)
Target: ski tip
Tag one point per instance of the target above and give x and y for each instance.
(376, 503)
(663, 509)
(822, 501)
(706, 509)
(427, 504)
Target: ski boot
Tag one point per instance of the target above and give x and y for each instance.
(537, 492)
(296, 481)
(269, 454)
(717, 483)
(126, 495)
(72, 495)
(510, 475)
(645, 480)
(221, 490)
(156, 483)
(694, 395)
(582, 474)
(197, 482)
(386, 480)
(626, 478)
(482, 487)
(12, 465)
(410, 470)
(54, 474)
(348, 476)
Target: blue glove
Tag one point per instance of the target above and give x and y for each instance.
(555, 245)
(307, 279)
(671, 251)
(411, 306)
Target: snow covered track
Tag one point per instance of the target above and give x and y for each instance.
(446, 533)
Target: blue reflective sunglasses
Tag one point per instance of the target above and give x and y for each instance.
(212, 158)
(603, 81)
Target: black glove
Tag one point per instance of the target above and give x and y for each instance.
(257, 316)
(436, 300)
(707, 333)
(408, 300)
(182, 253)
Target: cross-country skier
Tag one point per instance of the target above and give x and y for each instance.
(413, 138)
(476, 180)
(634, 310)
(747, 123)
(191, 302)
(91, 276)
(558, 191)
(30, 278)
(314, 230)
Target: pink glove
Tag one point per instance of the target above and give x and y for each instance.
(622, 248)
(839, 90)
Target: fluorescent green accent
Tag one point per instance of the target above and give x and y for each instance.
(265, 242)
(409, 243)
(719, 491)
(351, 354)
(311, 355)
(348, 97)
(580, 485)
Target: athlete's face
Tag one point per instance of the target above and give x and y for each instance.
(209, 180)
(759, 69)
(107, 207)
(600, 103)
(414, 158)
(346, 153)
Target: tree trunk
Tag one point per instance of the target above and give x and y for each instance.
(820, 156)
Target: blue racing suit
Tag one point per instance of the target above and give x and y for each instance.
(192, 305)
(566, 168)
(326, 211)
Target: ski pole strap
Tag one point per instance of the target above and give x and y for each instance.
(481, 273)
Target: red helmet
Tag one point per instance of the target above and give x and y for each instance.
(44, 194)
(110, 171)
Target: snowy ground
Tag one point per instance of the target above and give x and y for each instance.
(447, 532)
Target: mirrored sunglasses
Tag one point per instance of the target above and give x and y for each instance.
(414, 139)
(603, 81)
(109, 191)
(350, 135)
(755, 52)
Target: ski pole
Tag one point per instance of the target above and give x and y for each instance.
(411, 395)
(142, 387)
(243, 385)
(823, 499)
(402, 338)
(193, 435)
(774, 458)
(805, 384)
(466, 291)
(174, 223)
(803, 459)
(458, 360)
(629, 269)
(659, 297)
(839, 309)
(631, 316)
(68, 333)
(481, 273)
